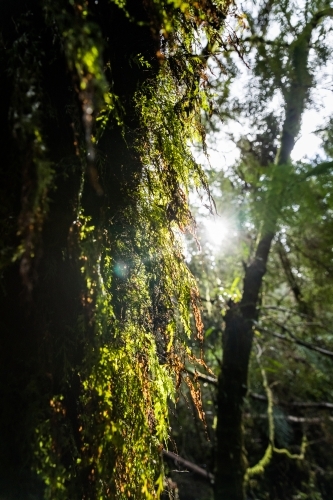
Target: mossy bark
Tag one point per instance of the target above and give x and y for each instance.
(42, 346)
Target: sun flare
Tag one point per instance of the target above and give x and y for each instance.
(218, 229)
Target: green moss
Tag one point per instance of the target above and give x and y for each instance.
(122, 349)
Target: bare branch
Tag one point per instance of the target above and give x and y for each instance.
(286, 310)
(257, 39)
(189, 465)
(322, 405)
(202, 376)
(292, 418)
(285, 262)
(293, 339)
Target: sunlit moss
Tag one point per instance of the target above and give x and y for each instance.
(136, 292)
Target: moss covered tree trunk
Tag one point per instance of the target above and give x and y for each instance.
(98, 103)
(43, 297)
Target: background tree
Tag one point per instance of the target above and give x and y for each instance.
(282, 64)
(99, 101)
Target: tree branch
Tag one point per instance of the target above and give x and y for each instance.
(202, 376)
(189, 465)
(322, 168)
(286, 310)
(294, 340)
(292, 418)
(320, 15)
(314, 259)
(257, 39)
(300, 82)
(284, 259)
(322, 405)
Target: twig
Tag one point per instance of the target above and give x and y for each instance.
(202, 376)
(189, 465)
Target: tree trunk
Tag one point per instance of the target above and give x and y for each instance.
(230, 456)
(41, 345)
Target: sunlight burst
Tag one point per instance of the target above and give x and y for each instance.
(218, 230)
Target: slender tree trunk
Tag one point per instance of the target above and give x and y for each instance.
(232, 385)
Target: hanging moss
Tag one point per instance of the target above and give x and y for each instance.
(103, 100)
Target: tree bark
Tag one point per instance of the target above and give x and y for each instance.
(230, 458)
